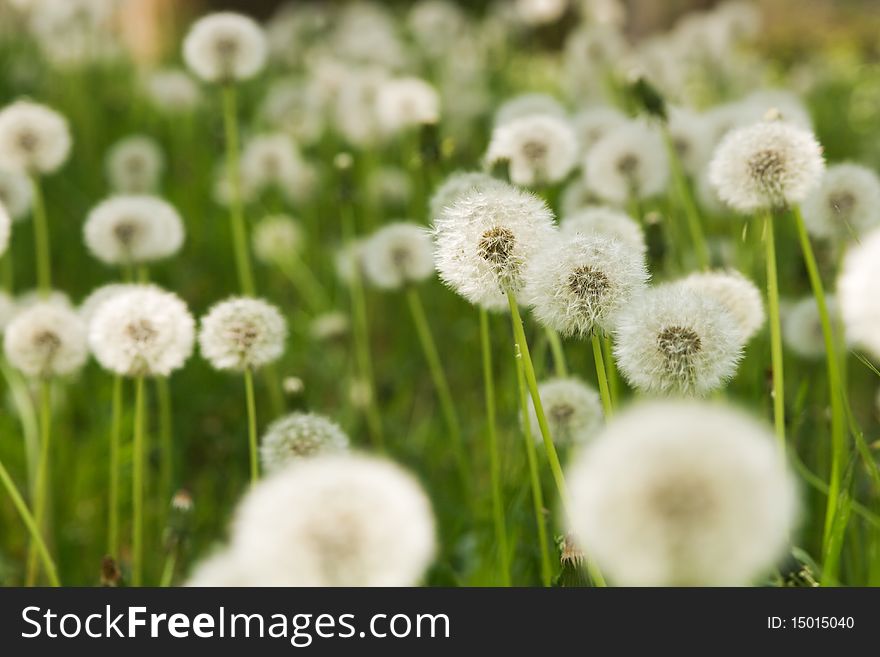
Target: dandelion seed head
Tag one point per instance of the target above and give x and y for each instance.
(45, 340)
(268, 160)
(15, 194)
(593, 123)
(221, 569)
(682, 494)
(691, 138)
(457, 184)
(390, 187)
(525, 105)
(299, 436)
(296, 110)
(145, 331)
(572, 409)
(172, 91)
(628, 161)
(135, 165)
(34, 139)
(540, 149)
(846, 203)
(540, 12)
(606, 222)
(737, 294)
(576, 196)
(403, 103)
(434, 24)
(398, 254)
(242, 333)
(330, 326)
(277, 238)
(335, 520)
(100, 295)
(858, 291)
(225, 47)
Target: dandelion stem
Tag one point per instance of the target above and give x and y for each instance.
(236, 208)
(686, 199)
(558, 353)
(137, 486)
(611, 369)
(41, 239)
(441, 384)
(168, 569)
(252, 424)
(494, 458)
(42, 486)
(835, 391)
(166, 440)
(604, 390)
(115, 439)
(775, 331)
(534, 477)
(30, 523)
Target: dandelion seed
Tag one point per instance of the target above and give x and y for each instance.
(572, 408)
(403, 103)
(846, 203)
(858, 290)
(172, 91)
(34, 139)
(629, 162)
(397, 255)
(134, 165)
(683, 494)
(674, 339)
(225, 47)
(298, 436)
(45, 340)
(540, 149)
(15, 194)
(242, 333)
(802, 327)
(737, 294)
(606, 222)
(276, 238)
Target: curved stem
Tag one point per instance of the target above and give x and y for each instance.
(604, 390)
(31, 524)
(252, 425)
(42, 487)
(137, 486)
(236, 209)
(115, 440)
(775, 331)
(41, 239)
(492, 439)
(558, 353)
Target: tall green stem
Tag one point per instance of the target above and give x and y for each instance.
(137, 486)
(494, 458)
(534, 477)
(252, 424)
(558, 353)
(42, 487)
(31, 524)
(441, 384)
(604, 390)
(166, 441)
(236, 208)
(115, 440)
(775, 331)
(41, 239)
(611, 369)
(686, 199)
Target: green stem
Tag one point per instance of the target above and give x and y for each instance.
(168, 569)
(236, 208)
(534, 477)
(27, 415)
(115, 440)
(42, 487)
(303, 279)
(558, 353)
(775, 331)
(252, 424)
(611, 369)
(31, 524)
(494, 458)
(686, 199)
(41, 239)
(604, 390)
(166, 441)
(137, 486)
(441, 384)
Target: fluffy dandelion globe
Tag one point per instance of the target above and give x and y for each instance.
(242, 333)
(858, 291)
(593, 123)
(291, 108)
(628, 162)
(691, 138)
(15, 194)
(485, 239)
(389, 187)
(540, 149)
(402, 103)
(135, 165)
(737, 294)
(34, 139)
(220, 569)
(606, 222)
(533, 104)
(674, 339)
(457, 184)
(276, 238)
(46, 340)
(5, 229)
(576, 196)
(297, 436)
(37, 297)
(101, 295)
(172, 91)
(765, 165)
(270, 159)
(802, 326)
(144, 331)
(398, 255)
(133, 229)
(577, 283)
(336, 520)
(572, 408)
(845, 205)
(225, 47)
(683, 494)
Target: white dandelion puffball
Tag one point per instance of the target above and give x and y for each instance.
(591, 124)
(540, 149)
(858, 291)
(330, 326)
(101, 295)
(294, 109)
(133, 229)
(221, 569)
(691, 137)
(577, 283)
(270, 160)
(32, 298)
(336, 520)
(629, 161)
(389, 186)
(34, 139)
(15, 194)
(683, 493)
(483, 242)
(298, 436)
(572, 409)
(172, 91)
(607, 222)
(242, 333)
(456, 185)
(576, 196)
(802, 326)
(768, 164)
(673, 339)
(276, 238)
(145, 331)
(5, 229)
(737, 294)
(397, 255)
(540, 12)
(406, 102)
(135, 165)
(46, 340)
(225, 47)
(531, 104)
(845, 205)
